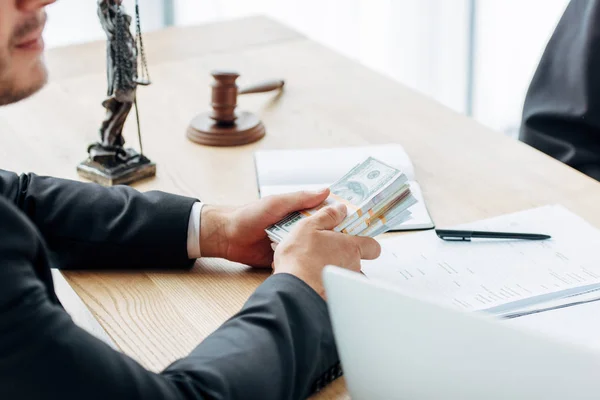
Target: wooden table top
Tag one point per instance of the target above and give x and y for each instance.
(466, 171)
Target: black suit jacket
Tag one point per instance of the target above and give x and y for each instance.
(279, 346)
(561, 115)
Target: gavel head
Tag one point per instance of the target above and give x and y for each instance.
(224, 97)
(223, 126)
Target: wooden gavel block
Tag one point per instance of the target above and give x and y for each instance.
(224, 126)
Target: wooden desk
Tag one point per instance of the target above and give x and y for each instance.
(467, 172)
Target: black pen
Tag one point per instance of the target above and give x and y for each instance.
(447, 234)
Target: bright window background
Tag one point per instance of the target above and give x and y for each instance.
(475, 56)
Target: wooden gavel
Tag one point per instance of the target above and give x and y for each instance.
(223, 126)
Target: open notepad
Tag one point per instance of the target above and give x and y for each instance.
(508, 278)
(284, 171)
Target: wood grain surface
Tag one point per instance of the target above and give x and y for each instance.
(466, 171)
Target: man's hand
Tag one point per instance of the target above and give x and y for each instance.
(312, 245)
(238, 234)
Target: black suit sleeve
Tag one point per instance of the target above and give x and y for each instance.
(277, 347)
(86, 225)
(561, 115)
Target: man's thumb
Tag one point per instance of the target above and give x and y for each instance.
(284, 204)
(329, 217)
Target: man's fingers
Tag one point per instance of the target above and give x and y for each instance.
(328, 217)
(369, 247)
(284, 204)
(310, 199)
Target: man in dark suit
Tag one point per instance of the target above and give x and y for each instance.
(561, 116)
(279, 346)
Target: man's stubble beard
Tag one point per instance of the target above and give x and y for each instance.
(19, 78)
(11, 91)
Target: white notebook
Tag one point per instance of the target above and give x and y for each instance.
(284, 171)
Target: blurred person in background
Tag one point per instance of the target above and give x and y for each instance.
(561, 115)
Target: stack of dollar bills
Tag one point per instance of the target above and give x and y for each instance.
(377, 197)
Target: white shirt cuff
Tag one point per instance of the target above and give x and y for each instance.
(193, 238)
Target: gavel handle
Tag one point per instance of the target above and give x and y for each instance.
(262, 87)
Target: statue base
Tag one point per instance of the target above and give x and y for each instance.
(114, 171)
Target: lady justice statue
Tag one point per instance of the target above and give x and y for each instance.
(109, 163)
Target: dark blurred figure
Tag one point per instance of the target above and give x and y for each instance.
(561, 115)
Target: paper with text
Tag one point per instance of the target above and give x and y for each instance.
(497, 276)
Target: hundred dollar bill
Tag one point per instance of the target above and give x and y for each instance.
(392, 209)
(364, 186)
(274, 238)
(373, 230)
(389, 220)
(377, 198)
(277, 232)
(377, 210)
